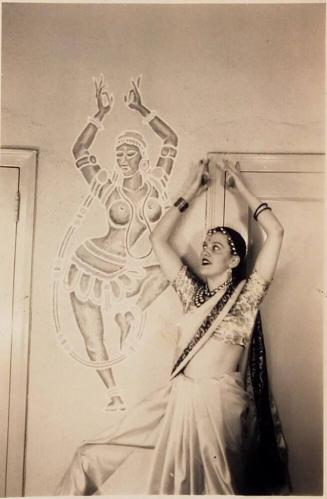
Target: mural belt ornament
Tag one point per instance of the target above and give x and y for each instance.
(116, 276)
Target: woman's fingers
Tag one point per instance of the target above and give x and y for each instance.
(203, 175)
(229, 166)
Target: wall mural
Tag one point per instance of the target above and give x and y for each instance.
(110, 281)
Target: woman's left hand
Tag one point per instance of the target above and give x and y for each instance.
(234, 178)
(133, 99)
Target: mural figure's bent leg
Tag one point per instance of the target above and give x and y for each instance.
(90, 322)
(143, 293)
(155, 283)
(125, 323)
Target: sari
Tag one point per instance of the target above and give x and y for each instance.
(206, 435)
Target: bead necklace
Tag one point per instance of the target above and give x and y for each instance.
(204, 293)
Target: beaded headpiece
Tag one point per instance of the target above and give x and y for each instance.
(135, 139)
(222, 230)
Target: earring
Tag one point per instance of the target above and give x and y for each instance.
(229, 273)
(144, 165)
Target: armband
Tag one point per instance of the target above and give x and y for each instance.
(86, 160)
(149, 117)
(97, 123)
(168, 151)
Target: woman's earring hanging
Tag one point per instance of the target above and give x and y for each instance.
(229, 273)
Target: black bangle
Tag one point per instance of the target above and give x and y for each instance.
(264, 208)
(255, 214)
(181, 204)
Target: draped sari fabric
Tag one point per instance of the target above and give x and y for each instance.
(197, 430)
(266, 465)
(199, 449)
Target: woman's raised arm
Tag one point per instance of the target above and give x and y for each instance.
(169, 261)
(267, 258)
(133, 100)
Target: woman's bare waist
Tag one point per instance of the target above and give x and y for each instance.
(214, 362)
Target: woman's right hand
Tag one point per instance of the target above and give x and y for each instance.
(199, 181)
(105, 100)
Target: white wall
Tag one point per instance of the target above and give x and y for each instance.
(227, 77)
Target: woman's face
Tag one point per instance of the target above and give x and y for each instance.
(216, 255)
(128, 159)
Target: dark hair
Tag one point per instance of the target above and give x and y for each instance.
(237, 246)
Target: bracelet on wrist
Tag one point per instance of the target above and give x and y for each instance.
(149, 117)
(262, 207)
(97, 123)
(181, 204)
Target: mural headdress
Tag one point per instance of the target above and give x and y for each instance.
(135, 139)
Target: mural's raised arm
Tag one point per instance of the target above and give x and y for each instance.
(86, 163)
(168, 152)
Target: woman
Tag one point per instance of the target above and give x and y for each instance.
(195, 424)
(107, 272)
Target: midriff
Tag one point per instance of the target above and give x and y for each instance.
(214, 359)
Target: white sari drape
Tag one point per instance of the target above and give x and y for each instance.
(193, 428)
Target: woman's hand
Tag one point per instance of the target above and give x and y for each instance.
(234, 178)
(105, 100)
(133, 99)
(199, 181)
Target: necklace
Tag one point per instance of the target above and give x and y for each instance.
(204, 293)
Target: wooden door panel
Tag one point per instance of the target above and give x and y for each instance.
(293, 324)
(293, 310)
(8, 193)
(15, 300)
(293, 185)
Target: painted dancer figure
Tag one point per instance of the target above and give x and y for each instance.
(197, 425)
(118, 273)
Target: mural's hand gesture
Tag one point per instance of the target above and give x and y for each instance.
(234, 178)
(105, 100)
(133, 99)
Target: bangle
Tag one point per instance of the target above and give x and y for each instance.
(97, 123)
(262, 207)
(149, 117)
(181, 204)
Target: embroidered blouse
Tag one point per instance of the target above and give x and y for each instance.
(236, 327)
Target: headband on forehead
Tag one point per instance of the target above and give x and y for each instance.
(222, 230)
(134, 139)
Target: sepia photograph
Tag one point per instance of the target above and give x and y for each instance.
(162, 186)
